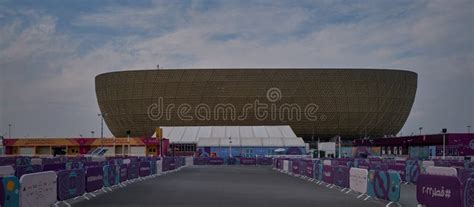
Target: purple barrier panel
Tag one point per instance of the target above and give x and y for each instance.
(7, 161)
(92, 164)
(54, 167)
(74, 164)
(248, 161)
(132, 171)
(46, 161)
(468, 193)
(169, 163)
(378, 166)
(328, 176)
(264, 161)
(399, 168)
(27, 169)
(200, 160)
(364, 166)
(341, 176)
(123, 172)
(23, 161)
(71, 183)
(94, 178)
(144, 169)
(438, 191)
(296, 166)
(308, 168)
(216, 161)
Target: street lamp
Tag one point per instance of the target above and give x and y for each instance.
(102, 129)
(468, 129)
(92, 132)
(444, 142)
(9, 131)
(421, 128)
(230, 147)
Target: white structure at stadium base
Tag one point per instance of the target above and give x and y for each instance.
(242, 137)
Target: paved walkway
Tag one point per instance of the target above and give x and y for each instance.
(239, 186)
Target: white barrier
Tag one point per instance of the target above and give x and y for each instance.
(6, 171)
(98, 159)
(326, 162)
(38, 189)
(358, 180)
(189, 161)
(159, 166)
(446, 171)
(427, 163)
(286, 165)
(126, 161)
(36, 161)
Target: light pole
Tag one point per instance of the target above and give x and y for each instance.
(444, 142)
(230, 147)
(468, 129)
(339, 137)
(421, 128)
(92, 132)
(9, 131)
(102, 129)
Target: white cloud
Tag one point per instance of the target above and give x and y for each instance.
(431, 38)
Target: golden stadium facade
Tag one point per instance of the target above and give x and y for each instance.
(314, 102)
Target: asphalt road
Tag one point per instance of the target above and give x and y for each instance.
(240, 186)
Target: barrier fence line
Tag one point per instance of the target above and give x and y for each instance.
(54, 181)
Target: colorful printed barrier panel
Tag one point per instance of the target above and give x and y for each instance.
(36, 161)
(318, 170)
(216, 161)
(412, 171)
(399, 168)
(341, 176)
(328, 175)
(6, 171)
(145, 169)
(38, 189)
(153, 167)
(384, 185)
(27, 169)
(133, 170)
(23, 161)
(308, 168)
(438, 191)
(92, 164)
(123, 172)
(231, 161)
(169, 163)
(468, 193)
(54, 167)
(358, 179)
(264, 161)
(74, 164)
(7, 161)
(111, 175)
(286, 165)
(446, 171)
(248, 161)
(296, 167)
(94, 178)
(71, 183)
(9, 191)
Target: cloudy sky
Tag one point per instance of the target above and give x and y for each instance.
(50, 51)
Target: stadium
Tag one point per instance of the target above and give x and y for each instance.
(314, 102)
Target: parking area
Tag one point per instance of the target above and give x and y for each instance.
(232, 186)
